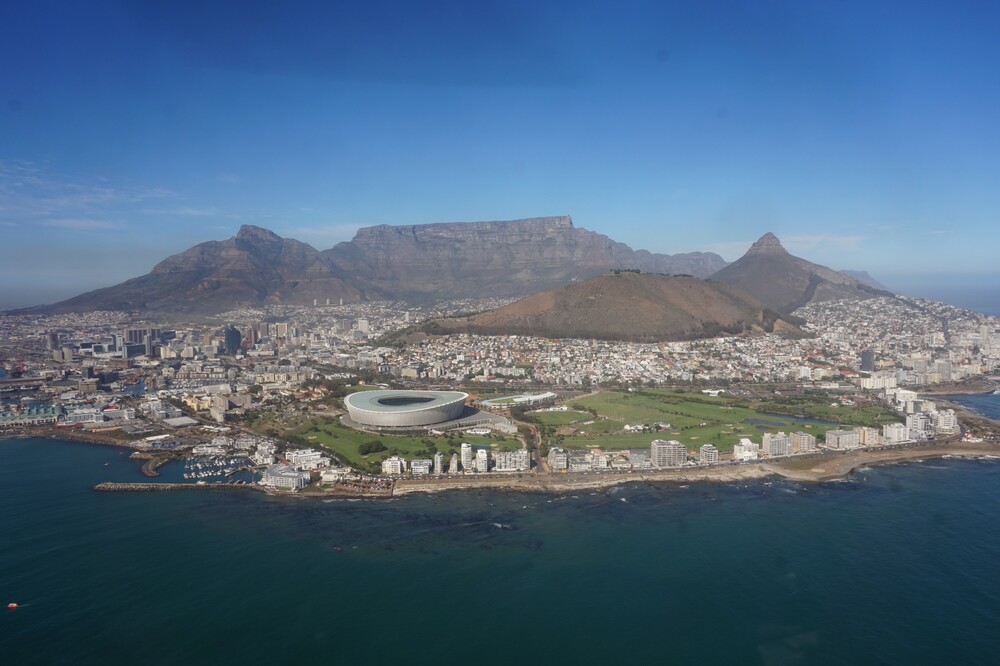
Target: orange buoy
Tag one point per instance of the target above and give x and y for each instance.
(12, 605)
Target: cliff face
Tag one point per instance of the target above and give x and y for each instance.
(430, 262)
(494, 258)
(785, 282)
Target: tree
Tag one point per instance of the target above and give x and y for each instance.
(374, 446)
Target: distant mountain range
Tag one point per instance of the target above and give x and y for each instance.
(418, 263)
(435, 262)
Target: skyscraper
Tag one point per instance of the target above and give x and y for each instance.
(466, 457)
(233, 340)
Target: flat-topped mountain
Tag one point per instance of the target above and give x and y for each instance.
(785, 283)
(512, 258)
(626, 306)
(427, 262)
(254, 267)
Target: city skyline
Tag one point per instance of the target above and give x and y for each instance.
(863, 137)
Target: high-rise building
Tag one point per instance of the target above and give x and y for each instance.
(868, 360)
(233, 340)
(893, 433)
(708, 454)
(558, 459)
(467, 456)
(803, 442)
(439, 463)
(842, 439)
(482, 461)
(667, 453)
(453, 464)
(945, 422)
(776, 444)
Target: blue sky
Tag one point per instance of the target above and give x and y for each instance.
(865, 135)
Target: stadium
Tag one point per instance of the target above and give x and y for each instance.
(404, 409)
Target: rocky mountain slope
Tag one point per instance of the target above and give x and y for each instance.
(626, 306)
(431, 262)
(256, 266)
(785, 283)
(513, 258)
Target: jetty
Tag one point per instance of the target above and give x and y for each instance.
(112, 486)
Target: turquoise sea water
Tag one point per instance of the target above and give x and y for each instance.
(899, 565)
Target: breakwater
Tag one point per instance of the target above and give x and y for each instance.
(112, 486)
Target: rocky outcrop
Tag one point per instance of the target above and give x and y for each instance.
(511, 258)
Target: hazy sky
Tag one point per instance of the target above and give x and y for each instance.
(864, 134)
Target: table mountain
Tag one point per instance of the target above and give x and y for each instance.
(626, 306)
(785, 283)
(430, 262)
(512, 258)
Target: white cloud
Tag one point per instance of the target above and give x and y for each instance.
(30, 192)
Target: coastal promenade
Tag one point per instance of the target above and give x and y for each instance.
(813, 469)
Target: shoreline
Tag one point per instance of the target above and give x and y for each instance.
(818, 468)
(814, 469)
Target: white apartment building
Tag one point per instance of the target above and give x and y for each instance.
(285, 477)
(306, 458)
(667, 453)
(394, 466)
(708, 454)
(945, 422)
(421, 466)
(842, 439)
(558, 459)
(894, 433)
(512, 461)
(482, 461)
(467, 455)
(776, 444)
(745, 451)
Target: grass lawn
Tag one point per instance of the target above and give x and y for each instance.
(698, 419)
(559, 418)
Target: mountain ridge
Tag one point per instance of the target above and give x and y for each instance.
(419, 263)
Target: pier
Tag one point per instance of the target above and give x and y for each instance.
(111, 486)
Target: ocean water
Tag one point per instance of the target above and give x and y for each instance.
(898, 565)
(986, 404)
